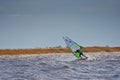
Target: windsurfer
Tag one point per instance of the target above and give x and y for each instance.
(81, 54)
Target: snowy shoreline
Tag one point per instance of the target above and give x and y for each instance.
(66, 56)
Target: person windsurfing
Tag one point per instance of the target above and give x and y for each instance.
(82, 56)
(75, 48)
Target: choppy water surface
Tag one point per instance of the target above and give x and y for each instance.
(99, 66)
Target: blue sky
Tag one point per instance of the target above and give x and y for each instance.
(43, 23)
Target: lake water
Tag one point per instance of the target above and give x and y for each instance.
(60, 66)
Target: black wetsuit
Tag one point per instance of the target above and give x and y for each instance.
(80, 53)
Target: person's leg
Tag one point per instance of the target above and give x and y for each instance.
(83, 55)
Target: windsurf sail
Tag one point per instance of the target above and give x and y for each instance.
(73, 46)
